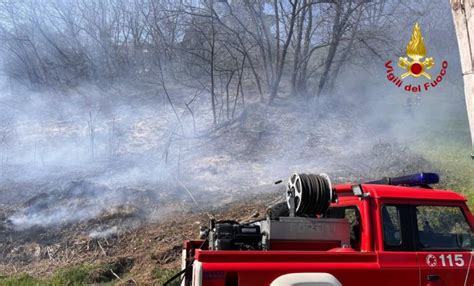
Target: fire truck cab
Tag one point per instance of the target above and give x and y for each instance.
(394, 231)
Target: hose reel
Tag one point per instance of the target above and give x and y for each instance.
(309, 194)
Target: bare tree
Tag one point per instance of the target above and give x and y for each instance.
(221, 47)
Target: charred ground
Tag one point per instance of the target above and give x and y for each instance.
(131, 232)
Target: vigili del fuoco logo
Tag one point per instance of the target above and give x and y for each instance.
(416, 65)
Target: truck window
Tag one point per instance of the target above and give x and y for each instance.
(392, 231)
(351, 213)
(442, 228)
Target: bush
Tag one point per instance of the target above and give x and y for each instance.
(20, 280)
(73, 276)
(77, 275)
(163, 274)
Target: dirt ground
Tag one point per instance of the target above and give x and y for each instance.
(133, 255)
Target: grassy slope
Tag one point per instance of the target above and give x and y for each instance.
(440, 133)
(451, 156)
(99, 274)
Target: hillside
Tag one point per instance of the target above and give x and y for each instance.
(120, 221)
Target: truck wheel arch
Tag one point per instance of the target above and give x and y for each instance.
(306, 279)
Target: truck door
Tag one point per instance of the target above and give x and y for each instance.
(398, 259)
(443, 242)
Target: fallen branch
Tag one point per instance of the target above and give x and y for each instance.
(103, 251)
(115, 274)
(188, 191)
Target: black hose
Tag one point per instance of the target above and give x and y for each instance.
(315, 195)
(178, 274)
(183, 271)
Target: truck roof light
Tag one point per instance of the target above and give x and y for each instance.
(420, 179)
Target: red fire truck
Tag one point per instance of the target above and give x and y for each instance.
(394, 231)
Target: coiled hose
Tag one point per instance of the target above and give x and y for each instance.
(313, 193)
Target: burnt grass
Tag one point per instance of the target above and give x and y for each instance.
(133, 234)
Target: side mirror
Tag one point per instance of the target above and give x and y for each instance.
(357, 190)
(465, 241)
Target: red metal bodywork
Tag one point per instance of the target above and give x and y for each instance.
(371, 265)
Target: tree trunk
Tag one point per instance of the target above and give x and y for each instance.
(296, 60)
(213, 95)
(336, 35)
(464, 25)
(302, 81)
(281, 58)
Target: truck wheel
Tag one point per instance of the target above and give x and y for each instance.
(278, 210)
